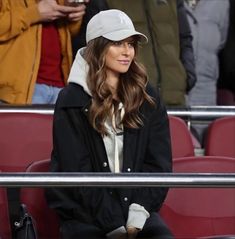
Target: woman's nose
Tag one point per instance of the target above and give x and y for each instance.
(126, 49)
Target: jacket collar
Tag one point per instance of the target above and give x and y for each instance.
(75, 96)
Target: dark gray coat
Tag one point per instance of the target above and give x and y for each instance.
(79, 148)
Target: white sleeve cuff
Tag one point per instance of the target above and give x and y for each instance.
(137, 216)
(116, 233)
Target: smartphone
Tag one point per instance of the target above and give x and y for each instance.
(74, 2)
(78, 1)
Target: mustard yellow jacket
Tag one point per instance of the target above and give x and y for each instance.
(20, 48)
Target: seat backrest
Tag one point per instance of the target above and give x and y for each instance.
(181, 140)
(47, 221)
(24, 138)
(5, 228)
(201, 212)
(220, 138)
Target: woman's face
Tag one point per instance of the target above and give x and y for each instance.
(119, 56)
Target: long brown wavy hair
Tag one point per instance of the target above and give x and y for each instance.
(130, 91)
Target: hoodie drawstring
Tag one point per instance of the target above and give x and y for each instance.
(114, 125)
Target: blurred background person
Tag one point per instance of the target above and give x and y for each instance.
(35, 48)
(209, 25)
(226, 81)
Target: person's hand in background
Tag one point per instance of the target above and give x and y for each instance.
(75, 3)
(50, 10)
(79, 9)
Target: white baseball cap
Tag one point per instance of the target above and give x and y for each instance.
(113, 25)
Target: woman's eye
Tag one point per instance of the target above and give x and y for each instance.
(131, 44)
(120, 43)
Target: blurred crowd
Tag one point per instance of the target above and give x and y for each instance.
(189, 56)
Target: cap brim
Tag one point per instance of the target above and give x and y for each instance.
(123, 34)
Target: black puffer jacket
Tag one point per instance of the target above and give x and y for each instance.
(186, 47)
(227, 62)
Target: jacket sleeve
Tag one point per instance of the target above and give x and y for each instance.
(16, 19)
(186, 48)
(90, 205)
(158, 159)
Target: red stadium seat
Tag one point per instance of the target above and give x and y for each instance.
(24, 138)
(220, 139)
(5, 229)
(201, 212)
(46, 219)
(181, 139)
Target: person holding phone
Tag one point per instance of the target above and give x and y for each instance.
(109, 119)
(35, 39)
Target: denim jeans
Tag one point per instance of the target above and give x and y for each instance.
(45, 94)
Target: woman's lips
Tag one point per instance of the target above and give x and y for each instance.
(124, 62)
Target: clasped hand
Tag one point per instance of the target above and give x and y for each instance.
(131, 233)
(50, 10)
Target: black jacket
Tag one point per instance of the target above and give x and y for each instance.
(77, 147)
(226, 57)
(186, 47)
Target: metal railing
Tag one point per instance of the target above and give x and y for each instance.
(193, 112)
(37, 109)
(203, 112)
(159, 180)
(225, 180)
(192, 115)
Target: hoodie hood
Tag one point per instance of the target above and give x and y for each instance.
(79, 71)
(114, 141)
